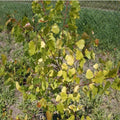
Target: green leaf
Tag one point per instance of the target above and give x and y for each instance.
(94, 91)
(31, 48)
(89, 74)
(109, 64)
(69, 59)
(55, 29)
(80, 44)
(112, 73)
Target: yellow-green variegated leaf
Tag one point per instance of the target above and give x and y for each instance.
(58, 98)
(71, 71)
(55, 29)
(88, 54)
(49, 115)
(69, 59)
(64, 89)
(95, 66)
(42, 44)
(88, 118)
(64, 66)
(63, 96)
(59, 73)
(72, 117)
(26, 117)
(4, 59)
(79, 55)
(99, 77)
(82, 62)
(31, 48)
(59, 44)
(76, 88)
(80, 44)
(89, 74)
(18, 86)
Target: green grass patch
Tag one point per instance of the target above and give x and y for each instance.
(108, 5)
(105, 25)
(17, 9)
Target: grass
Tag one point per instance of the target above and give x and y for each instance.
(107, 5)
(105, 24)
(17, 9)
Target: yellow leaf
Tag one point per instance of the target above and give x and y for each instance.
(79, 55)
(43, 102)
(49, 115)
(58, 98)
(59, 43)
(88, 118)
(51, 73)
(18, 86)
(95, 66)
(64, 73)
(69, 59)
(26, 117)
(31, 48)
(55, 29)
(63, 89)
(79, 107)
(64, 66)
(88, 54)
(59, 73)
(4, 59)
(31, 87)
(76, 88)
(72, 107)
(42, 44)
(82, 118)
(63, 96)
(72, 117)
(37, 89)
(71, 71)
(99, 77)
(82, 62)
(89, 74)
(91, 86)
(80, 44)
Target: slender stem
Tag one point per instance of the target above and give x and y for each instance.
(85, 84)
(43, 7)
(65, 15)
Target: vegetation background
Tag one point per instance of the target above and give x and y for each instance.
(103, 18)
